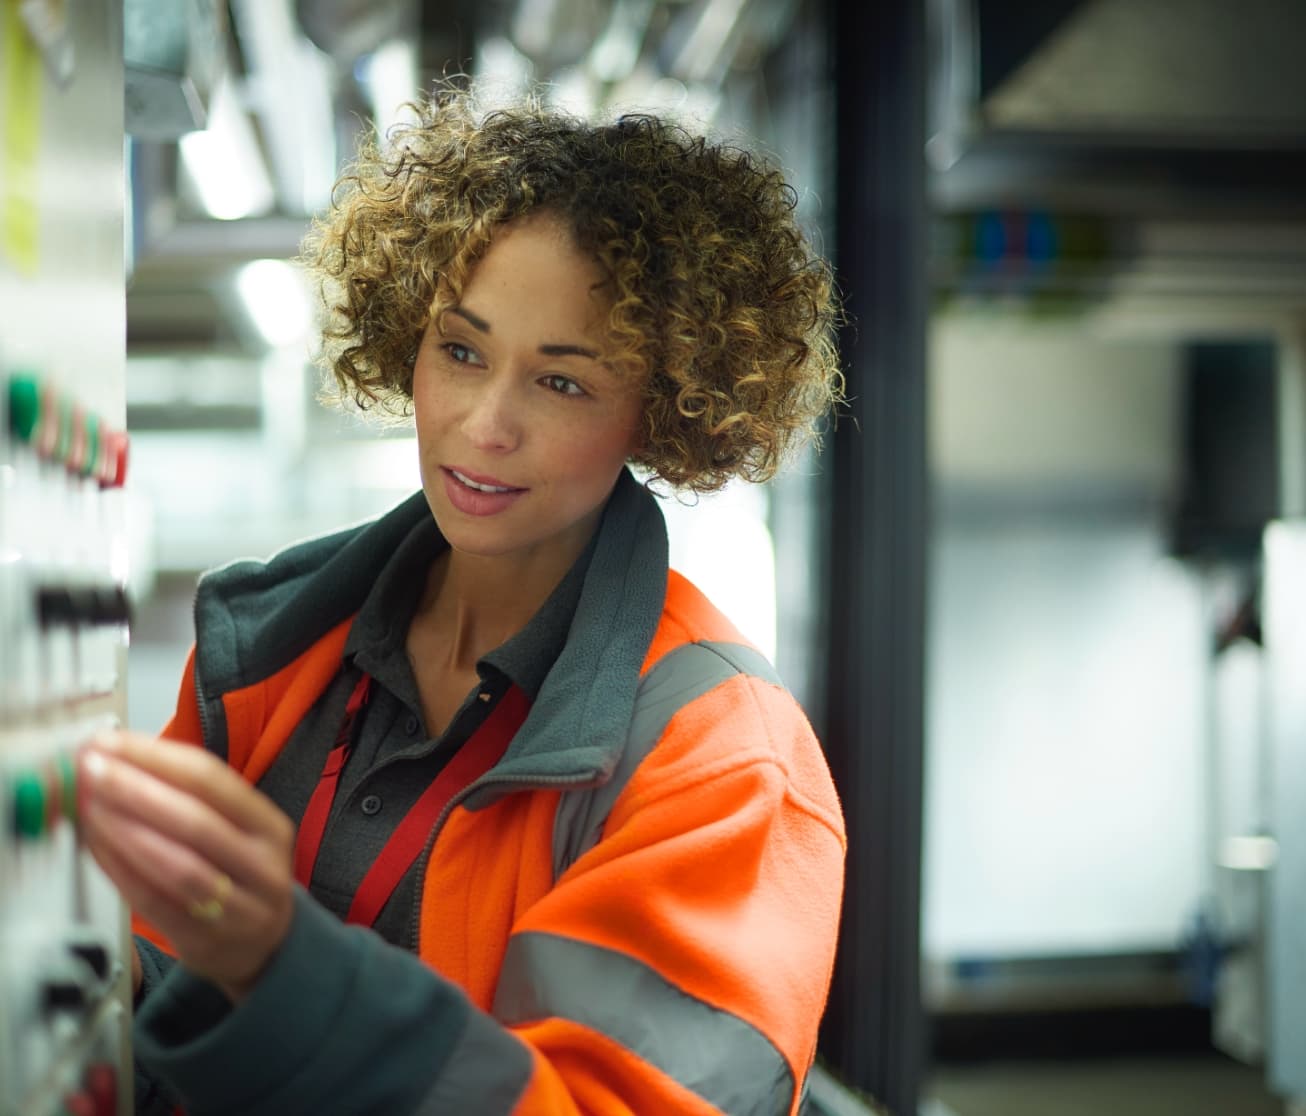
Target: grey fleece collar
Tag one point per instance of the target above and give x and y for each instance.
(253, 618)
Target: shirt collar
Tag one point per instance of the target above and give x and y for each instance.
(381, 626)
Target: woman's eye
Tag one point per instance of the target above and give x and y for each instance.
(562, 385)
(460, 353)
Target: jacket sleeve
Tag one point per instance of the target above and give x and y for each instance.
(680, 966)
(683, 963)
(152, 1097)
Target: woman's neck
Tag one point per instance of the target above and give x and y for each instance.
(471, 604)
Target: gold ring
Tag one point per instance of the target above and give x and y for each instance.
(211, 909)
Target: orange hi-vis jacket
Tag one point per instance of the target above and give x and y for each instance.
(634, 911)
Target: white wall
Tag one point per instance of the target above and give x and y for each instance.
(1064, 768)
(1066, 672)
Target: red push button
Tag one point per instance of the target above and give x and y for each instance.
(102, 1083)
(115, 468)
(80, 1103)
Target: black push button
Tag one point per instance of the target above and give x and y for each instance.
(54, 606)
(64, 993)
(95, 956)
(110, 607)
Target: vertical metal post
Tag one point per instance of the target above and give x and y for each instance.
(874, 726)
(1285, 646)
(1284, 776)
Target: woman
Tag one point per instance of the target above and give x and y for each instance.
(493, 813)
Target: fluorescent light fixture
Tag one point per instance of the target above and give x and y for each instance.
(535, 26)
(224, 163)
(573, 91)
(617, 49)
(276, 300)
(391, 79)
(503, 73)
(705, 46)
(290, 90)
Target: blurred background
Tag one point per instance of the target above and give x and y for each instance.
(1041, 592)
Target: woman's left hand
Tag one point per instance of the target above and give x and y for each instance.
(194, 849)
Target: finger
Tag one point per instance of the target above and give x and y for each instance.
(135, 887)
(171, 871)
(211, 949)
(184, 819)
(202, 775)
(158, 882)
(144, 898)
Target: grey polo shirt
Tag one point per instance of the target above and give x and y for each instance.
(394, 759)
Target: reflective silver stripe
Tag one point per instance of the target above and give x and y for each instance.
(486, 1072)
(720, 1057)
(681, 675)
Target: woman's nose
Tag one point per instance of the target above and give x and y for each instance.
(491, 422)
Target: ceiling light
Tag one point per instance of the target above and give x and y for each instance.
(276, 300)
(573, 91)
(224, 163)
(702, 54)
(617, 49)
(391, 79)
(503, 74)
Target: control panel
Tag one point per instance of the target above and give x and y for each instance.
(65, 1002)
(63, 633)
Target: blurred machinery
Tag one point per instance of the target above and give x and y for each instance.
(64, 1010)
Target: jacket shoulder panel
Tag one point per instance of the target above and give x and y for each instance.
(683, 674)
(688, 617)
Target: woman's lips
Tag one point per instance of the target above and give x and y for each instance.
(476, 501)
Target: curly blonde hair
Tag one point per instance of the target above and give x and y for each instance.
(717, 302)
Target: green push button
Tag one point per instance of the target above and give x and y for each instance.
(67, 769)
(24, 405)
(91, 459)
(29, 805)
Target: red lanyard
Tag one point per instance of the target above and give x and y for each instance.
(481, 751)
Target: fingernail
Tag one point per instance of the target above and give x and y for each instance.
(90, 776)
(94, 765)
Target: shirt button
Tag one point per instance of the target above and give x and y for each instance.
(371, 804)
(412, 726)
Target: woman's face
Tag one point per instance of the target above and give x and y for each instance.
(521, 429)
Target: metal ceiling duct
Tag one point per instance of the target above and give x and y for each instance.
(350, 29)
(1206, 70)
(174, 53)
(1119, 105)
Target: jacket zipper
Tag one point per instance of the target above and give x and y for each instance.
(206, 731)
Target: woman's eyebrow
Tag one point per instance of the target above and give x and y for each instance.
(480, 324)
(568, 350)
(471, 319)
